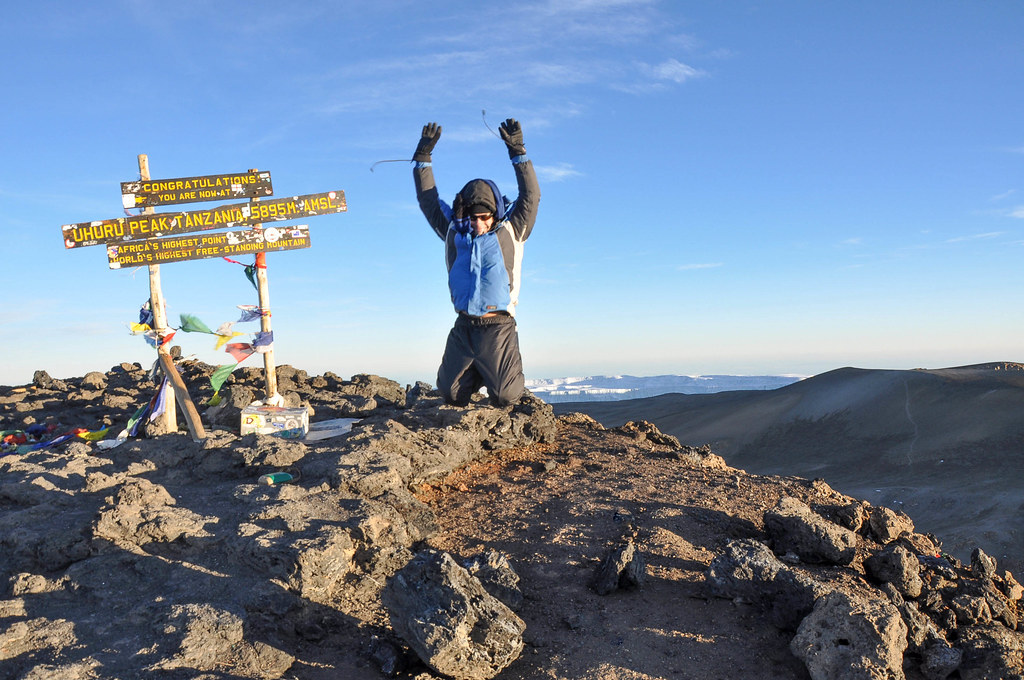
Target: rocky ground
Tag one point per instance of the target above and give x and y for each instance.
(434, 541)
(944, 445)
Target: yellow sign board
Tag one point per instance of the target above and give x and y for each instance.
(151, 192)
(199, 246)
(139, 227)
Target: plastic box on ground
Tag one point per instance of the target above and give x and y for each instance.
(284, 422)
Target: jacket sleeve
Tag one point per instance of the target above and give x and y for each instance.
(426, 194)
(524, 214)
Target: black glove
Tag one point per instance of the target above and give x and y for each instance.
(431, 133)
(458, 209)
(512, 135)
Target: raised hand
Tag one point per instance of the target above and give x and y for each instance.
(512, 135)
(428, 138)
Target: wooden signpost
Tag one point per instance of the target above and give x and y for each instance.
(155, 238)
(169, 418)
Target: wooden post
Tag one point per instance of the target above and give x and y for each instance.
(263, 289)
(169, 419)
(269, 367)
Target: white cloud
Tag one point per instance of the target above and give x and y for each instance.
(475, 132)
(1005, 194)
(557, 173)
(690, 267)
(562, 48)
(855, 241)
(561, 74)
(560, 6)
(979, 237)
(1018, 212)
(674, 70)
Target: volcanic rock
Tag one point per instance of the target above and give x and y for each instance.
(450, 621)
(794, 527)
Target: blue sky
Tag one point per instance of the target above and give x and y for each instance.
(743, 187)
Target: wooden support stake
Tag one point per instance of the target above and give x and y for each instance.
(195, 424)
(169, 419)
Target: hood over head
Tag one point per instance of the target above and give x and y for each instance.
(483, 192)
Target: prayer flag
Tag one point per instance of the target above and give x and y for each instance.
(93, 435)
(239, 350)
(145, 314)
(153, 338)
(191, 324)
(133, 423)
(263, 341)
(249, 313)
(221, 339)
(160, 401)
(220, 375)
(250, 273)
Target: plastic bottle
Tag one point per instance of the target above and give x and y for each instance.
(275, 478)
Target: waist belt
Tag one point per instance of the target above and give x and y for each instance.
(498, 318)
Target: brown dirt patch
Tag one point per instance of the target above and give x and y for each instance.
(556, 509)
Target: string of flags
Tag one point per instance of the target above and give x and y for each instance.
(34, 437)
(39, 436)
(262, 341)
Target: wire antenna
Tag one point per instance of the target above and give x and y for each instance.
(395, 160)
(483, 114)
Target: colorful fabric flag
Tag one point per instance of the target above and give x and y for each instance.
(38, 430)
(93, 435)
(22, 441)
(249, 313)
(146, 314)
(220, 375)
(154, 339)
(224, 328)
(53, 442)
(139, 327)
(250, 273)
(130, 430)
(133, 423)
(239, 350)
(191, 324)
(263, 341)
(221, 339)
(12, 439)
(160, 400)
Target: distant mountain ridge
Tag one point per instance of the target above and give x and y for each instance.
(618, 387)
(946, 445)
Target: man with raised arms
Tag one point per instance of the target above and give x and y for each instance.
(484, 234)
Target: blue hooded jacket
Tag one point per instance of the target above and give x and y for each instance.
(483, 271)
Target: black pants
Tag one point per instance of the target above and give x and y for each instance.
(482, 352)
